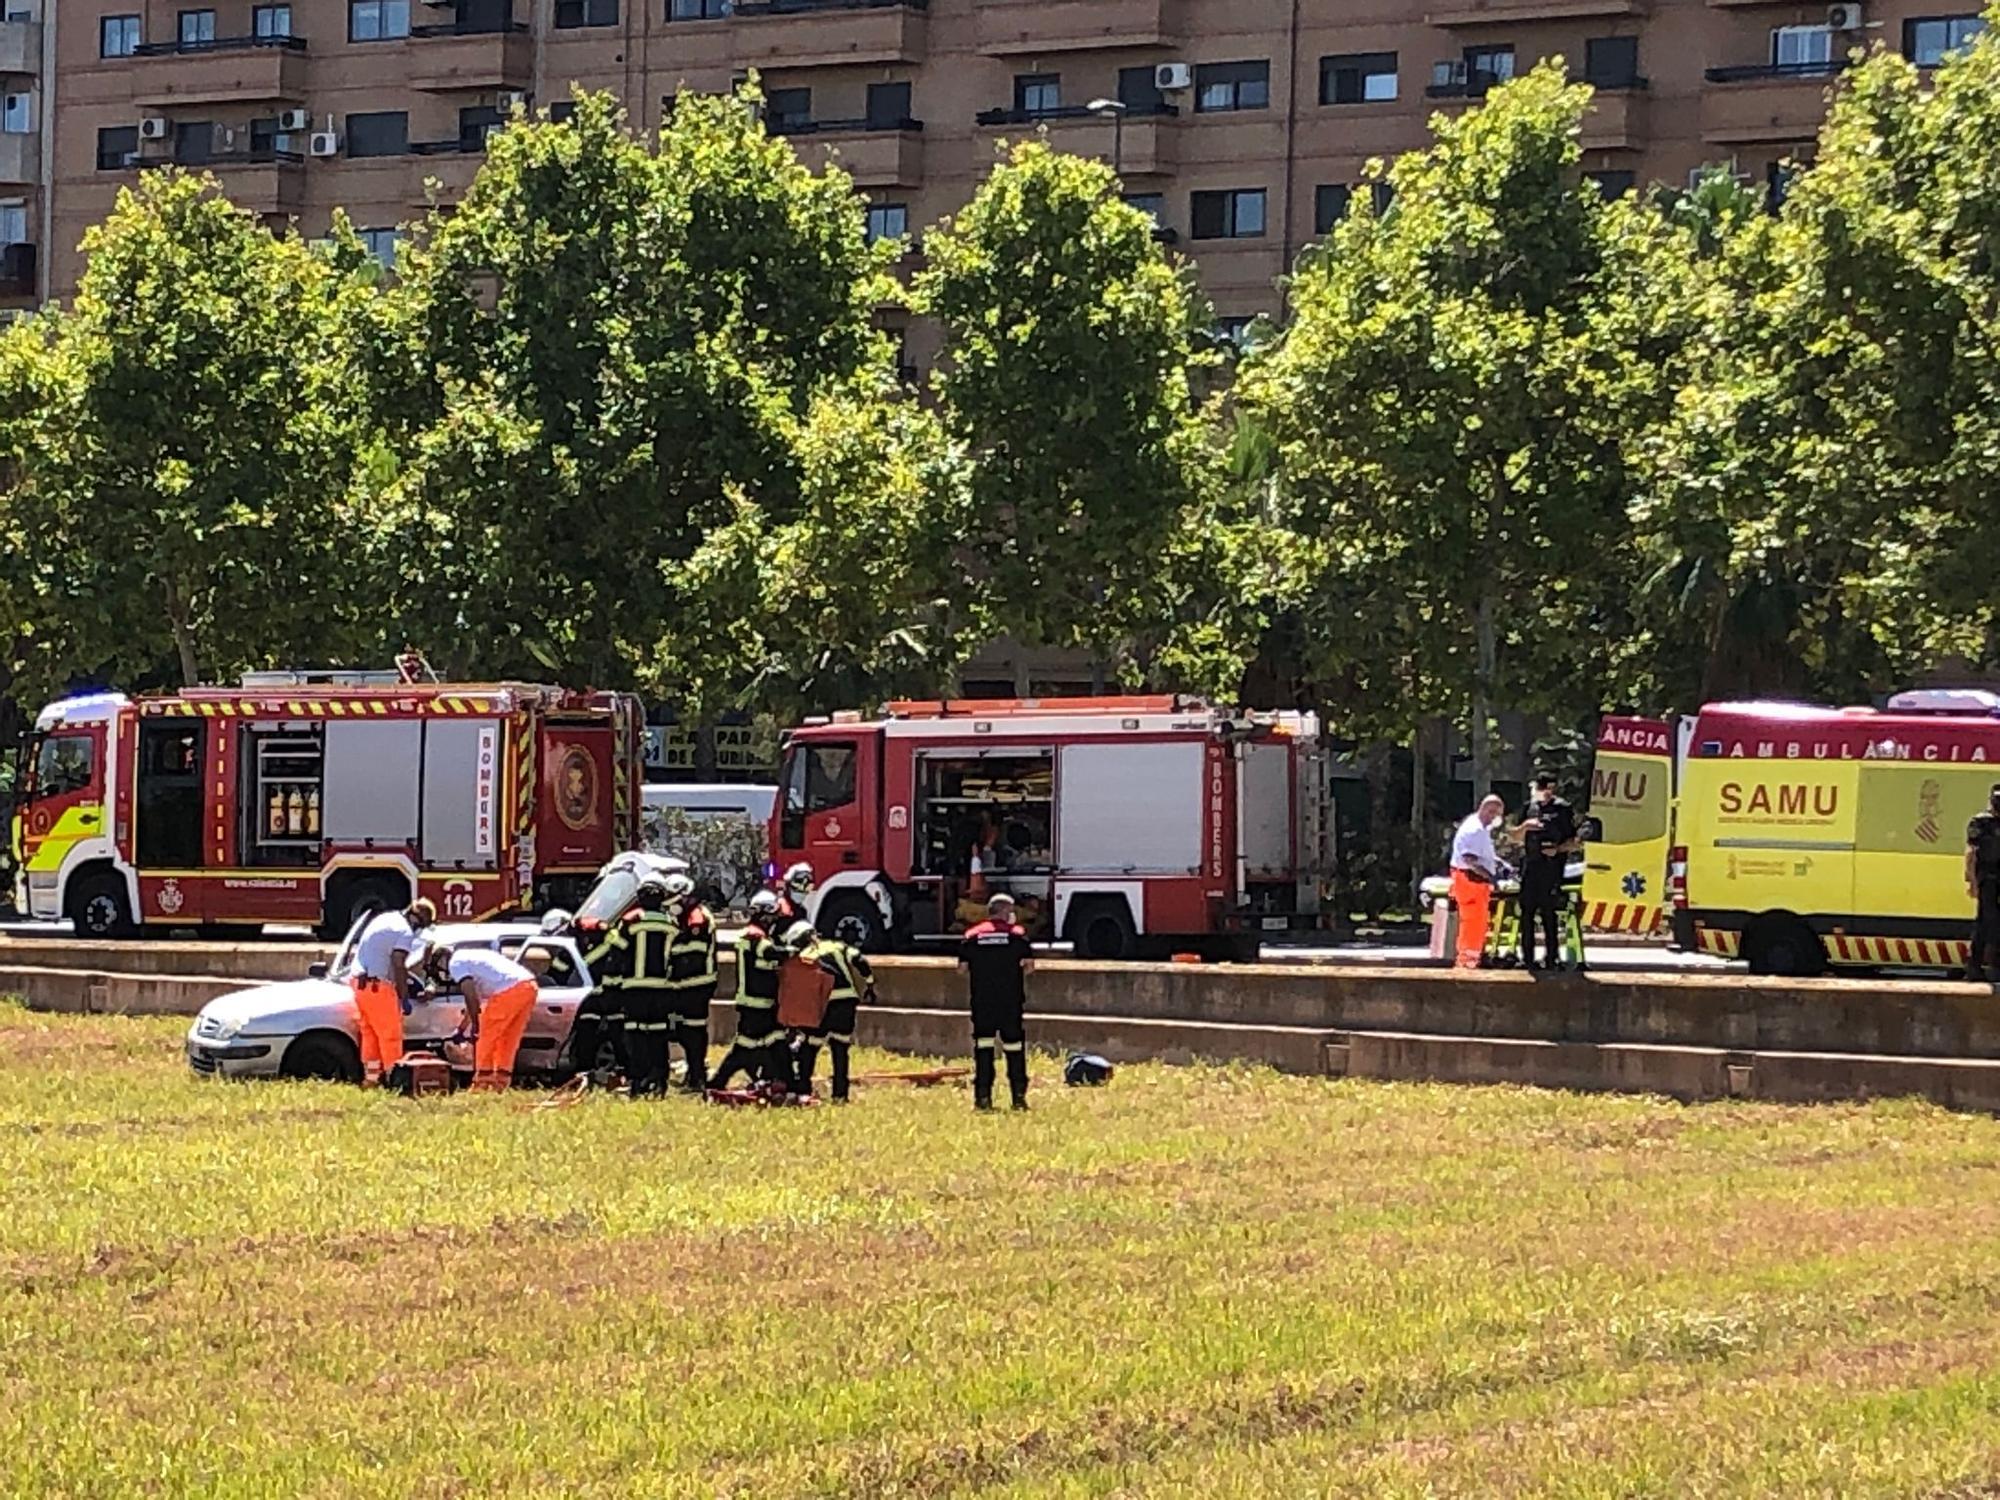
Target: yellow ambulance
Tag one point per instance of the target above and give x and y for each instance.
(1811, 837)
(1632, 803)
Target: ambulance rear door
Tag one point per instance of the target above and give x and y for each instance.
(1631, 799)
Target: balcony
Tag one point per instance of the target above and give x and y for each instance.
(824, 33)
(1010, 28)
(1144, 147)
(1465, 87)
(1777, 103)
(237, 69)
(1500, 12)
(20, 159)
(261, 179)
(447, 58)
(450, 164)
(17, 270)
(20, 48)
(874, 155)
(1617, 118)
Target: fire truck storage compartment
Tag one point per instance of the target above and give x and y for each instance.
(281, 793)
(960, 790)
(1266, 819)
(169, 800)
(461, 774)
(1130, 809)
(373, 776)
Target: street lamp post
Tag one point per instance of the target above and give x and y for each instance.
(1116, 110)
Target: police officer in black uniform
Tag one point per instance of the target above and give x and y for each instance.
(1548, 835)
(997, 960)
(759, 957)
(1982, 884)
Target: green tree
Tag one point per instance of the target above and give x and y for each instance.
(187, 446)
(1452, 404)
(1071, 342)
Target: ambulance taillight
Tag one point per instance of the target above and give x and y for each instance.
(1677, 875)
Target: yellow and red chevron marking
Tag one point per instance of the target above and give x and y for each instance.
(1714, 940)
(310, 708)
(1918, 953)
(1622, 916)
(525, 776)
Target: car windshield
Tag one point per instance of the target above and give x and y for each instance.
(612, 894)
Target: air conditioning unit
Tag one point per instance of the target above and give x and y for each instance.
(155, 128)
(324, 143)
(1171, 78)
(1843, 17)
(509, 100)
(290, 120)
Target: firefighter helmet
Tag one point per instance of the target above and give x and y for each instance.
(763, 906)
(799, 879)
(1086, 1070)
(799, 937)
(678, 887)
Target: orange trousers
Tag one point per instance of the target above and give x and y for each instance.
(381, 1017)
(501, 1022)
(1474, 900)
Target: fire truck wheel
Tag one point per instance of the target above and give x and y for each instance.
(1783, 946)
(99, 909)
(1101, 927)
(349, 900)
(855, 920)
(323, 1054)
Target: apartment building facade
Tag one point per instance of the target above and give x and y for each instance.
(1242, 125)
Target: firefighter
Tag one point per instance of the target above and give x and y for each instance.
(691, 977)
(996, 959)
(853, 980)
(649, 999)
(601, 1018)
(804, 989)
(381, 979)
(759, 957)
(1982, 884)
(794, 894)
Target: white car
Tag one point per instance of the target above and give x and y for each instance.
(305, 1028)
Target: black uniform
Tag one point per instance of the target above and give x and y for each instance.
(851, 976)
(691, 978)
(993, 953)
(758, 1040)
(649, 1013)
(601, 1017)
(1542, 877)
(1982, 837)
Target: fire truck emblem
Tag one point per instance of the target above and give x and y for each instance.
(171, 899)
(832, 828)
(576, 787)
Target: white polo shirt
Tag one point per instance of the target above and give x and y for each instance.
(388, 934)
(489, 972)
(1472, 847)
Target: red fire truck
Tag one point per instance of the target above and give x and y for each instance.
(1124, 825)
(312, 798)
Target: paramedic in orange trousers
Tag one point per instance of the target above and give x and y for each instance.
(1474, 868)
(499, 997)
(380, 979)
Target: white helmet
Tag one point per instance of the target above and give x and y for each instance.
(763, 905)
(799, 879)
(678, 887)
(799, 937)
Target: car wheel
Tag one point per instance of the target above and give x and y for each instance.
(99, 909)
(852, 918)
(1785, 947)
(322, 1055)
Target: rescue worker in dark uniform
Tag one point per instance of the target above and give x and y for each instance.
(601, 1017)
(997, 960)
(759, 957)
(649, 1014)
(691, 977)
(1548, 836)
(1982, 884)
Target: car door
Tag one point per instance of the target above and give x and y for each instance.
(560, 992)
(440, 1018)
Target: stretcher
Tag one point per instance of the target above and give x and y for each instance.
(1503, 937)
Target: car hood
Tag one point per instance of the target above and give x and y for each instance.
(282, 1007)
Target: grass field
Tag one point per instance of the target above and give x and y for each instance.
(1212, 1282)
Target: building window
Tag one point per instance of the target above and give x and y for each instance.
(562, 113)
(1330, 201)
(1221, 87)
(1611, 62)
(386, 133)
(1037, 93)
(1358, 78)
(888, 106)
(268, 21)
(194, 142)
(1929, 41)
(887, 221)
(13, 223)
(1139, 90)
(197, 28)
(1612, 185)
(377, 20)
(1802, 46)
(1234, 330)
(1233, 214)
(476, 123)
(116, 146)
(1488, 67)
(1152, 205)
(381, 243)
(689, 10)
(264, 137)
(17, 114)
(788, 109)
(586, 13)
(118, 36)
